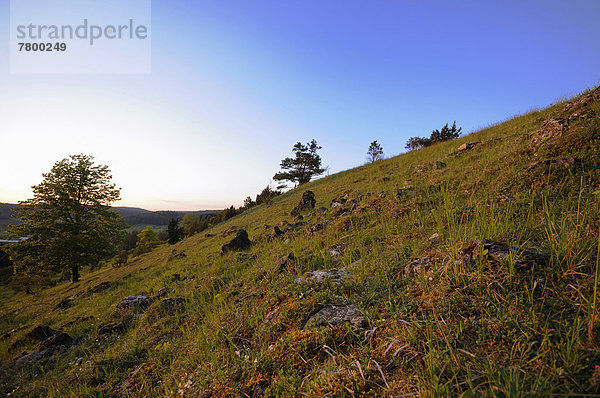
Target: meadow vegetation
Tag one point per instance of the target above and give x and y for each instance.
(476, 271)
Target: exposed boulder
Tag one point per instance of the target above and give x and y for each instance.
(56, 340)
(240, 242)
(40, 333)
(466, 146)
(134, 302)
(283, 263)
(113, 327)
(334, 275)
(551, 129)
(335, 251)
(570, 163)
(335, 315)
(161, 292)
(277, 232)
(419, 265)
(306, 203)
(501, 253)
(439, 165)
(582, 100)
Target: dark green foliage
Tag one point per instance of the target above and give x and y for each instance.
(192, 223)
(69, 221)
(445, 134)
(174, 231)
(375, 152)
(130, 240)
(303, 167)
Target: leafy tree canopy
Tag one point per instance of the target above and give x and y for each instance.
(68, 222)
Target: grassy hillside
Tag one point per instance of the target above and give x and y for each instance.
(475, 273)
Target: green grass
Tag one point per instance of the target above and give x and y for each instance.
(475, 328)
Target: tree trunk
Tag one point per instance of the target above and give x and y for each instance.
(74, 273)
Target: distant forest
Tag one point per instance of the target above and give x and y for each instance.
(131, 215)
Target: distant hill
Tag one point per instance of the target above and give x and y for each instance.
(131, 215)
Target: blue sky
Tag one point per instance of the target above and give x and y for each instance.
(235, 84)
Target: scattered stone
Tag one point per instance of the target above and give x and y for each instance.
(500, 252)
(435, 237)
(283, 263)
(555, 163)
(384, 194)
(439, 165)
(335, 251)
(317, 227)
(134, 302)
(64, 304)
(583, 100)
(335, 315)
(467, 146)
(335, 205)
(209, 235)
(322, 210)
(277, 232)
(161, 292)
(270, 319)
(551, 129)
(175, 254)
(78, 320)
(333, 275)
(29, 357)
(56, 340)
(40, 333)
(113, 327)
(399, 194)
(240, 242)
(306, 203)
(101, 287)
(170, 304)
(419, 265)
(176, 277)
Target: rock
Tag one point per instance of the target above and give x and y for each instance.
(435, 237)
(439, 165)
(134, 302)
(209, 235)
(384, 194)
(161, 292)
(500, 252)
(335, 205)
(101, 287)
(176, 277)
(277, 232)
(240, 242)
(322, 210)
(335, 251)
(283, 263)
(27, 358)
(399, 194)
(270, 319)
(315, 228)
(113, 327)
(583, 100)
(171, 304)
(64, 304)
(335, 315)
(552, 128)
(555, 163)
(56, 340)
(333, 275)
(419, 265)
(306, 203)
(40, 333)
(467, 146)
(78, 320)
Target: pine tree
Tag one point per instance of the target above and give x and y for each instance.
(375, 152)
(304, 166)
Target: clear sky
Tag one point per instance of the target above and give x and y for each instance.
(235, 84)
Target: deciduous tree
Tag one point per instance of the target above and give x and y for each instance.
(68, 222)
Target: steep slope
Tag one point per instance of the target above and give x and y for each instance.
(469, 267)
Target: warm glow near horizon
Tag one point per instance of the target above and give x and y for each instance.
(233, 87)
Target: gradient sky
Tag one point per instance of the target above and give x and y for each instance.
(235, 84)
